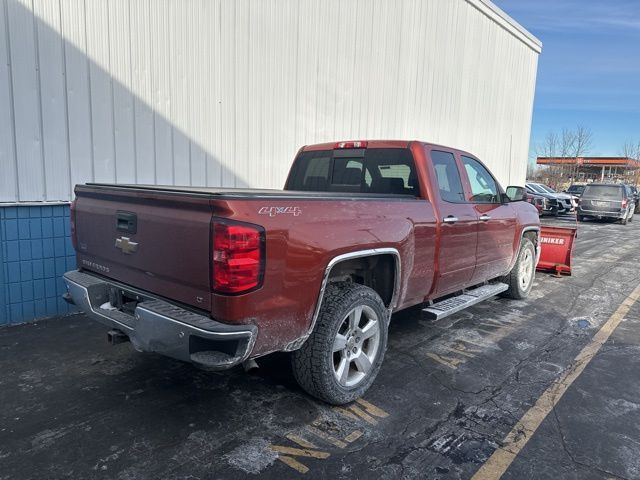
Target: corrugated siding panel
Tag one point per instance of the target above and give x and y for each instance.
(53, 100)
(224, 92)
(78, 93)
(26, 94)
(123, 109)
(144, 133)
(101, 89)
(9, 177)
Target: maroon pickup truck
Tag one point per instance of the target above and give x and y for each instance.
(362, 229)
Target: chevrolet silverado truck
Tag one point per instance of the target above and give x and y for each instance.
(218, 277)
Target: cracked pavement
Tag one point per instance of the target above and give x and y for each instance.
(446, 397)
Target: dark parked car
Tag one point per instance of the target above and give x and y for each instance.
(607, 201)
(575, 190)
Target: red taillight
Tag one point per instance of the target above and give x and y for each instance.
(355, 144)
(72, 222)
(237, 257)
(624, 203)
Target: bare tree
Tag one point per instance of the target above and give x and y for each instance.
(582, 144)
(568, 144)
(631, 150)
(549, 148)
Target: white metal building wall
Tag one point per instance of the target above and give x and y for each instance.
(223, 92)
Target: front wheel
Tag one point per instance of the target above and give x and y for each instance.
(520, 278)
(342, 356)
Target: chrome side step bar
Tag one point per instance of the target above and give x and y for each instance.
(468, 298)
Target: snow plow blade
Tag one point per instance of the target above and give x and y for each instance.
(556, 249)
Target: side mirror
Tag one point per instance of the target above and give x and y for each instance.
(516, 194)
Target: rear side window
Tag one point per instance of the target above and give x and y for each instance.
(375, 170)
(447, 176)
(603, 191)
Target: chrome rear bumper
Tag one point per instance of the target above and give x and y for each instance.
(156, 325)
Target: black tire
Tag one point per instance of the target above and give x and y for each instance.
(630, 215)
(623, 221)
(314, 364)
(580, 218)
(516, 288)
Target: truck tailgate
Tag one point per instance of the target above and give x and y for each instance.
(157, 241)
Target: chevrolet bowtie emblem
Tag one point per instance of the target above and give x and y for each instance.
(126, 245)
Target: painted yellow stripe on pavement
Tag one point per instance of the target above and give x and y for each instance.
(518, 437)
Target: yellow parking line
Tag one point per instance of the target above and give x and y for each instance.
(446, 361)
(300, 441)
(293, 463)
(300, 452)
(363, 415)
(326, 437)
(372, 409)
(518, 437)
(353, 436)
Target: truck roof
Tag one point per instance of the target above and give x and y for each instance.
(377, 144)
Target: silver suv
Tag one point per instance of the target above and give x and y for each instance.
(607, 201)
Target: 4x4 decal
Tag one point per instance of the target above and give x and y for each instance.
(273, 211)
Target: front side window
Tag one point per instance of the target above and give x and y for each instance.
(447, 176)
(483, 187)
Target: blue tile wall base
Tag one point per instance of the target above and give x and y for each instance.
(35, 250)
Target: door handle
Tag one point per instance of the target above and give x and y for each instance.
(450, 219)
(485, 218)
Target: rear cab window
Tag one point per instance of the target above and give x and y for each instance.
(372, 170)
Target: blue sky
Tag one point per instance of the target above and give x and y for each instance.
(589, 70)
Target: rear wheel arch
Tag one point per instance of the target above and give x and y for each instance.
(379, 271)
(347, 268)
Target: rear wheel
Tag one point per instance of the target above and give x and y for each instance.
(520, 279)
(623, 221)
(342, 356)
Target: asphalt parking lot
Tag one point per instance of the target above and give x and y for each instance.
(448, 395)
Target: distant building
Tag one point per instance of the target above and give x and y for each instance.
(594, 168)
